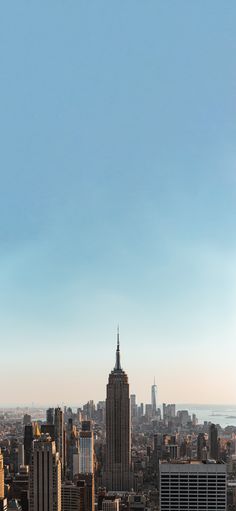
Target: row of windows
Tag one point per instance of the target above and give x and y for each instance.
(193, 476)
(192, 484)
(165, 498)
(192, 508)
(193, 493)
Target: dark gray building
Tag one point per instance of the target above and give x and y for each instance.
(118, 433)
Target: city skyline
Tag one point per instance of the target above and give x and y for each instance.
(144, 397)
(117, 199)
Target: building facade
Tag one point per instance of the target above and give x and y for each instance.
(111, 505)
(193, 486)
(70, 497)
(45, 476)
(86, 443)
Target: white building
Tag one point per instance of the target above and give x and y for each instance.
(188, 486)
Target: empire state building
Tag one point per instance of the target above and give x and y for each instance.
(118, 433)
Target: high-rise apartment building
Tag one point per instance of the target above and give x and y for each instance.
(118, 439)
(45, 476)
(1, 476)
(193, 486)
(154, 397)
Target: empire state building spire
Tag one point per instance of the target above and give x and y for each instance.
(118, 366)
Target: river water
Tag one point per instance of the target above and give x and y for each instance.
(225, 415)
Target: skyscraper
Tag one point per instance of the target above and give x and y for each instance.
(28, 443)
(59, 434)
(86, 449)
(1, 476)
(213, 442)
(87, 502)
(201, 445)
(45, 476)
(86, 464)
(154, 398)
(50, 416)
(133, 406)
(71, 447)
(118, 434)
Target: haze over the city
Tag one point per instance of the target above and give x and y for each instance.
(117, 199)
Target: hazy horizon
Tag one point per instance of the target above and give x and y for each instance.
(118, 199)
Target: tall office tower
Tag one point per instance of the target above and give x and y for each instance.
(86, 442)
(154, 398)
(148, 411)
(141, 410)
(28, 443)
(164, 412)
(71, 448)
(89, 410)
(70, 497)
(118, 438)
(50, 416)
(213, 442)
(86, 464)
(59, 435)
(88, 493)
(1, 476)
(48, 429)
(21, 455)
(27, 419)
(193, 486)
(201, 444)
(82, 499)
(45, 476)
(133, 406)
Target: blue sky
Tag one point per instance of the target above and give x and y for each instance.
(117, 198)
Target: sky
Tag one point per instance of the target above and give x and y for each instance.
(117, 199)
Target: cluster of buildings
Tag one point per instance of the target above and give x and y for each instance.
(116, 456)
